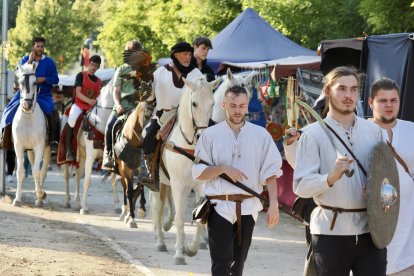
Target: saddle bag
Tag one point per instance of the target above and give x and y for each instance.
(202, 210)
(127, 153)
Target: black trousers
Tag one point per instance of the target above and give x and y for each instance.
(150, 141)
(227, 256)
(338, 255)
(11, 161)
(108, 131)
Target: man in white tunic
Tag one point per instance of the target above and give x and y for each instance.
(246, 153)
(167, 89)
(385, 104)
(341, 240)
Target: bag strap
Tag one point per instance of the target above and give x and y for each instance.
(348, 149)
(398, 158)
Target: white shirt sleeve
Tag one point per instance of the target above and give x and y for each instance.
(307, 180)
(290, 153)
(271, 161)
(202, 151)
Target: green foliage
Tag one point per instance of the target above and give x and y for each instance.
(308, 22)
(388, 16)
(160, 24)
(13, 5)
(64, 24)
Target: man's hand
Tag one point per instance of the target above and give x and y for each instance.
(342, 164)
(291, 135)
(92, 102)
(233, 173)
(273, 215)
(40, 79)
(120, 109)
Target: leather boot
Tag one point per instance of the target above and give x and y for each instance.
(152, 183)
(108, 161)
(68, 141)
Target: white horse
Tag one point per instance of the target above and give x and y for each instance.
(218, 113)
(86, 154)
(29, 132)
(194, 112)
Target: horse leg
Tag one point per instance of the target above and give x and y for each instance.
(20, 175)
(195, 245)
(157, 210)
(142, 211)
(65, 171)
(180, 194)
(78, 176)
(45, 165)
(131, 199)
(86, 183)
(171, 210)
(38, 156)
(124, 213)
(117, 210)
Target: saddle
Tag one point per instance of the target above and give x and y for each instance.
(122, 148)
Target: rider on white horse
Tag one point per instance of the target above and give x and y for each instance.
(46, 76)
(167, 89)
(123, 90)
(87, 89)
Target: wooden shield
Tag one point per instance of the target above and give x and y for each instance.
(383, 172)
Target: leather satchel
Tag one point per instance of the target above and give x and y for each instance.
(302, 209)
(202, 210)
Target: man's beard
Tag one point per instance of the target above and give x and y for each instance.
(236, 120)
(343, 112)
(387, 121)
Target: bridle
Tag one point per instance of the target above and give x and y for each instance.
(195, 128)
(27, 85)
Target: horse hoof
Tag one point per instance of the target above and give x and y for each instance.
(190, 253)
(179, 261)
(167, 227)
(126, 219)
(141, 213)
(132, 224)
(203, 246)
(162, 248)
(77, 207)
(84, 212)
(17, 203)
(44, 196)
(39, 203)
(117, 211)
(122, 217)
(67, 205)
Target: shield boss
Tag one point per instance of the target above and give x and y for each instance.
(382, 220)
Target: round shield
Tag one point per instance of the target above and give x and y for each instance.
(383, 195)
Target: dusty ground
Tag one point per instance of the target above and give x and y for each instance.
(53, 240)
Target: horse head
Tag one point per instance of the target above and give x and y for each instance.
(197, 105)
(28, 86)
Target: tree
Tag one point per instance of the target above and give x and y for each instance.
(160, 24)
(64, 24)
(388, 16)
(309, 21)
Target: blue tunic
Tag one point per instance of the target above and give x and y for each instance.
(45, 68)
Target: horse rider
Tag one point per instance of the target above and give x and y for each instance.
(87, 89)
(202, 45)
(167, 89)
(124, 102)
(46, 76)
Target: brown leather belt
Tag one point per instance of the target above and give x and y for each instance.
(337, 210)
(238, 198)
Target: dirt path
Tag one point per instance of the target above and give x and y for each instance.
(56, 241)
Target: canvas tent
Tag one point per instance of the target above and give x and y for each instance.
(249, 38)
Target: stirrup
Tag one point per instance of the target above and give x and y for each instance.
(108, 164)
(54, 147)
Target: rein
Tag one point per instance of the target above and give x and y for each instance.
(27, 85)
(195, 128)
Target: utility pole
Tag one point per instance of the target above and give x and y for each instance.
(3, 92)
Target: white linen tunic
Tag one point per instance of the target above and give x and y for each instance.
(400, 252)
(315, 159)
(166, 93)
(253, 152)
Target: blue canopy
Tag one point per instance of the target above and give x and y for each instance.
(249, 38)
